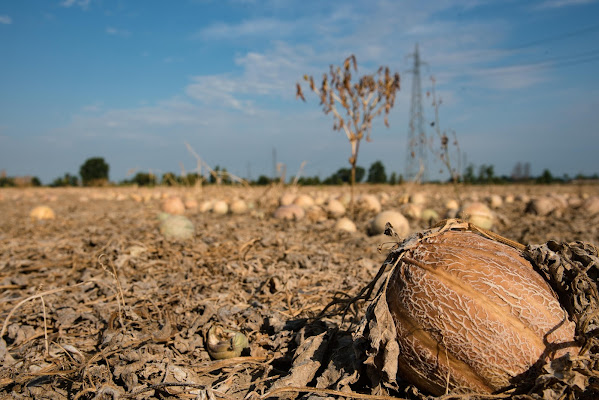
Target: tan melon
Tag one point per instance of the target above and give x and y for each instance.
(41, 213)
(478, 214)
(173, 205)
(468, 312)
(289, 212)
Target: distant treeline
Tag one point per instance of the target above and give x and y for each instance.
(94, 172)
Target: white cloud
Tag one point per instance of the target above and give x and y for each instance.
(136, 125)
(265, 76)
(5, 20)
(165, 113)
(508, 78)
(83, 4)
(96, 107)
(171, 60)
(563, 3)
(117, 32)
(254, 27)
(219, 90)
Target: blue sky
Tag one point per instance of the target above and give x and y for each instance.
(133, 81)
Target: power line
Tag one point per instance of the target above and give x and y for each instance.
(557, 37)
(566, 60)
(554, 62)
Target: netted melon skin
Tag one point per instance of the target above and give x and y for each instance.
(471, 312)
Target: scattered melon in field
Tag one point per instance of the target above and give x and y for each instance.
(478, 214)
(411, 210)
(429, 215)
(452, 204)
(205, 206)
(452, 208)
(335, 208)
(319, 198)
(472, 197)
(345, 224)
(395, 218)
(304, 201)
(50, 197)
(316, 214)
(575, 201)
(223, 343)
(42, 212)
(173, 205)
(191, 203)
(591, 205)
(418, 198)
(220, 207)
(495, 201)
(369, 202)
(404, 198)
(289, 212)
(287, 199)
(542, 206)
(345, 198)
(176, 227)
(238, 206)
(509, 199)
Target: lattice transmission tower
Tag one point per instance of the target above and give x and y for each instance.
(416, 160)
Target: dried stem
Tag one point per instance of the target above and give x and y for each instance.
(47, 351)
(364, 294)
(35, 296)
(120, 296)
(443, 153)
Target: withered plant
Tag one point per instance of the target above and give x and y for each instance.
(360, 102)
(448, 157)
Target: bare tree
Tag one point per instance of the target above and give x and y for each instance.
(360, 103)
(526, 171)
(517, 172)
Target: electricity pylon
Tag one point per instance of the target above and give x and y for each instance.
(416, 160)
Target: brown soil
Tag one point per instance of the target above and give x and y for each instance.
(97, 304)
